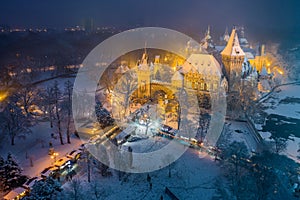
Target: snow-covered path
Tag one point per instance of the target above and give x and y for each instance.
(32, 152)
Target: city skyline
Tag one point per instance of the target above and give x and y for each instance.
(275, 20)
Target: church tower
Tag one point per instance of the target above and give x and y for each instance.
(233, 58)
(144, 74)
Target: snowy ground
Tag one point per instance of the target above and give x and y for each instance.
(36, 146)
(192, 177)
(285, 102)
(283, 107)
(239, 131)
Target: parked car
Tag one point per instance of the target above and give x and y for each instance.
(28, 185)
(49, 171)
(74, 155)
(17, 193)
(133, 139)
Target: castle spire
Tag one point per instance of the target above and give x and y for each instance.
(226, 35)
(145, 55)
(207, 36)
(233, 47)
(242, 32)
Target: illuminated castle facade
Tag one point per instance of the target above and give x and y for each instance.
(202, 72)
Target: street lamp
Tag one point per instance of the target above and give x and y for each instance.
(54, 155)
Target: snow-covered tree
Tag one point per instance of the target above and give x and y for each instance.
(44, 190)
(103, 155)
(98, 191)
(13, 121)
(2, 162)
(280, 144)
(123, 90)
(11, 174)
(75, 191)
(27, 97)
(234, 163)
(47, 103)
(103, 116)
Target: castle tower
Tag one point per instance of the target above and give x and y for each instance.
(224, 38)
(233, 58)
(143, 74)
(157, 66)
(207, 42)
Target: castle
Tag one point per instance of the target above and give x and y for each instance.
(208, 68)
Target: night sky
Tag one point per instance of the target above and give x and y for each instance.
(263, 18)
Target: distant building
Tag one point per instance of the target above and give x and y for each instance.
(88, 25)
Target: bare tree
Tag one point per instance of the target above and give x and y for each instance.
(48, 104)
(234, 161)
(126, 85)
(28, 96)
(68, 106)
(57, 98)
(280, 144)
(76, 189)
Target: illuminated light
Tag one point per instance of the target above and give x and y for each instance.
(3, 96)
(280, 71)
(268, 64)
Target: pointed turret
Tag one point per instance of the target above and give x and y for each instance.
(207, 35)
(242, 32)
(226, 35)
(144, 76)
(233, 58)
(143, 65)
(207, 42)
(233, 47)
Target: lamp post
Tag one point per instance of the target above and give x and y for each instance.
(54, 156)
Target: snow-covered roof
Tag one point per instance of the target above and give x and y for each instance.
(177, 76)
(203, 64)
(194, 46)
(243, 41)
(233, 47)
(249, 55)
